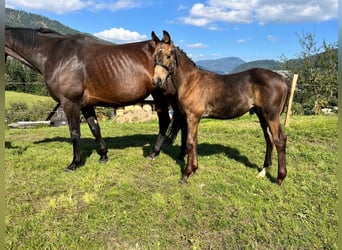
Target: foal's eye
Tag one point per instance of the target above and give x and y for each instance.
(168, 56)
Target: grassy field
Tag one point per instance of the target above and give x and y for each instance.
(135, 203)
(29, 99)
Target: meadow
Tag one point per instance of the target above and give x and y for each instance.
(29, 99)
(135, 203)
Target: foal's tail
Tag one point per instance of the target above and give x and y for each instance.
(288, 90)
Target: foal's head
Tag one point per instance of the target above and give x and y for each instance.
(165, 60)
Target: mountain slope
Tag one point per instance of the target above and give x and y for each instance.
(267, 64)
(18, 18)
(222, 65)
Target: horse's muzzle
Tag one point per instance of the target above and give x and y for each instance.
(157, 82)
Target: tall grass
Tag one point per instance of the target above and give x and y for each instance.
(135, 203)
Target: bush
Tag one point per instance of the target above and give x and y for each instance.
(20, 111)
(297, 109)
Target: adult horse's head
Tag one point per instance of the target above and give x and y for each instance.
(165, 61)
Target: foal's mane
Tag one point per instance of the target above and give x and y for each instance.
(182, 52)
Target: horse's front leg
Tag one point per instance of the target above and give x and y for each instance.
(191, 144)
(164, 121)
(90, 116)
(72, 113)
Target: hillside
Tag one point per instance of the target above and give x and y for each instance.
(267, 64)
(18, 18)
(222, 65)
(29, 99)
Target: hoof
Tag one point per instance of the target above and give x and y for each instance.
(71, 167)
(103, 160)
(149, 157)
(181, 181)
(279, 181)
(263, 173)
(152, 155)
(69, 170)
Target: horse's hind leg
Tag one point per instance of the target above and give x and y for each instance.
(90, 116)
(279, 138)
(72, 113)
(269, 145)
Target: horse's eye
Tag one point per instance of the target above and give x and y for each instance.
(168, 56)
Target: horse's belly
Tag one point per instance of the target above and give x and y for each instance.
(225, 111)
(113, 97)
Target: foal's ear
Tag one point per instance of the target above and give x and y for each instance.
(166, 37)
(155, 38)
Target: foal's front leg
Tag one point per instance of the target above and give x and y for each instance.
(191, 145)
(269, 145)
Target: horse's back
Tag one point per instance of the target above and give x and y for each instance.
(102, 73)
(118, 74)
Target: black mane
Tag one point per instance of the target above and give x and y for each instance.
(192, 62)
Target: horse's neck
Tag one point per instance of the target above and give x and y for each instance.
(31, 55)
(185, 69)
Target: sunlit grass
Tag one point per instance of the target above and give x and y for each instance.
(135, 203)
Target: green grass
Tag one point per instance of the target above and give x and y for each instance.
(135, 203)
(30, 99)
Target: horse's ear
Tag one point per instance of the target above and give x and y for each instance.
(166, 37)
(155, 38)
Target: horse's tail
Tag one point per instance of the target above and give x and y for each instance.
(177, 122)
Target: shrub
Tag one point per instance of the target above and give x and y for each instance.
(20, 111)
(297, 109)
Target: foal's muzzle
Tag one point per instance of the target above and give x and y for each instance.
(157, 82)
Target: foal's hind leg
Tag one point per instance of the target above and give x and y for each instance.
(269, 145)
(90, 116)
(191, 144)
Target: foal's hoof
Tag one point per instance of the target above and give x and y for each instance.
(182, 181)
(279, 181)
(152, 155)
(71, 167)
(103, 159)
(149, 157)
(263, 172)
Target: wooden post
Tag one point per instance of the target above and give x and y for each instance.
(293, 87)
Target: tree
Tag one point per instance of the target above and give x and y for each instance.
(21, 78)
(317, 67)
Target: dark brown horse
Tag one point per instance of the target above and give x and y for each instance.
(81, 72)
(206, 94)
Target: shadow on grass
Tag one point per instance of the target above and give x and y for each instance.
(146, 142)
